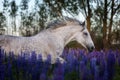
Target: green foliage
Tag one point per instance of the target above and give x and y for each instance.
(43, 15)
(2, 20)
(13, 9)
(5, 5)
(24, 4)
(51, 9)
(2, 23)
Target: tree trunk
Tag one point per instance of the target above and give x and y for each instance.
(88, 23)
(87, 13)
(14, 25)
(110, 24)
(88, 16)
(105, 25)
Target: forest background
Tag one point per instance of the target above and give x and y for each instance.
(29, 17)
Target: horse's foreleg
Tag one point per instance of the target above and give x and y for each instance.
(61, 59)
(54, 60)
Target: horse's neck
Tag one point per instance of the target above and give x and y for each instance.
(65, 34)
(57, 38)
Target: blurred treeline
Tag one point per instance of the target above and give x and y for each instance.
(102, 16)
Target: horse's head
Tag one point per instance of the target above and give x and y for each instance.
(72, 29)
(83, 37)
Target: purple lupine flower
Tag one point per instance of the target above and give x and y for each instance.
(2, 65)
(1, 56)
(105, 76)
(70, 61)
(21, 66)
(102, 68)
(76, 64)
(32, 63)
(33, 57)
(35, 66)
(119, 60)
(9, 70)
(81, 54)
(65, 53)
(96, 73)
(70, 56)
(117, 53)
(58, 73)
(97, 65)
(39, 57)
(110, 65)
(17, 66)
(11, 55)
(85, 59)
(93, 62)
(43, 76)
(101, 63)
(84, 72)
(2, 53)
(118, 57)
(2, 72)
(44, 68)
(47, 64)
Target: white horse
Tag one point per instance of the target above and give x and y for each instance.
(50, 41)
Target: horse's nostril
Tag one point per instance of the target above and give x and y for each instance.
(90, 49)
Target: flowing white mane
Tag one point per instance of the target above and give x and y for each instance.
(63, 22)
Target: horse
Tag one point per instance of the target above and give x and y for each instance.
(50, 41)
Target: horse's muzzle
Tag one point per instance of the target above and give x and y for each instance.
(90, 48)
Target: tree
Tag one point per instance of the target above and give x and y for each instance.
(5, 6)
(13, 14)
(104, 19)
(24, 18)
(43, 15)
(27, 29)
(114, 9)
(2, 23)
(71, 6)
(5, 11)
(105, 24)
(87, 11)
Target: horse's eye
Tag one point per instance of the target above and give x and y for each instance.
(85, 33)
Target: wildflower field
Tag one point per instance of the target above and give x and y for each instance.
(79, 65)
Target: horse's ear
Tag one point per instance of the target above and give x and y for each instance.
(83, 23)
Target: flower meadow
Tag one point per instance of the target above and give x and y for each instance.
(78, 65)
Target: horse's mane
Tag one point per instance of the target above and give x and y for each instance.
(63, 22)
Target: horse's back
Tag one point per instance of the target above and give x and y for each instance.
(5, 40)
(16, 43)
(2, 40)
